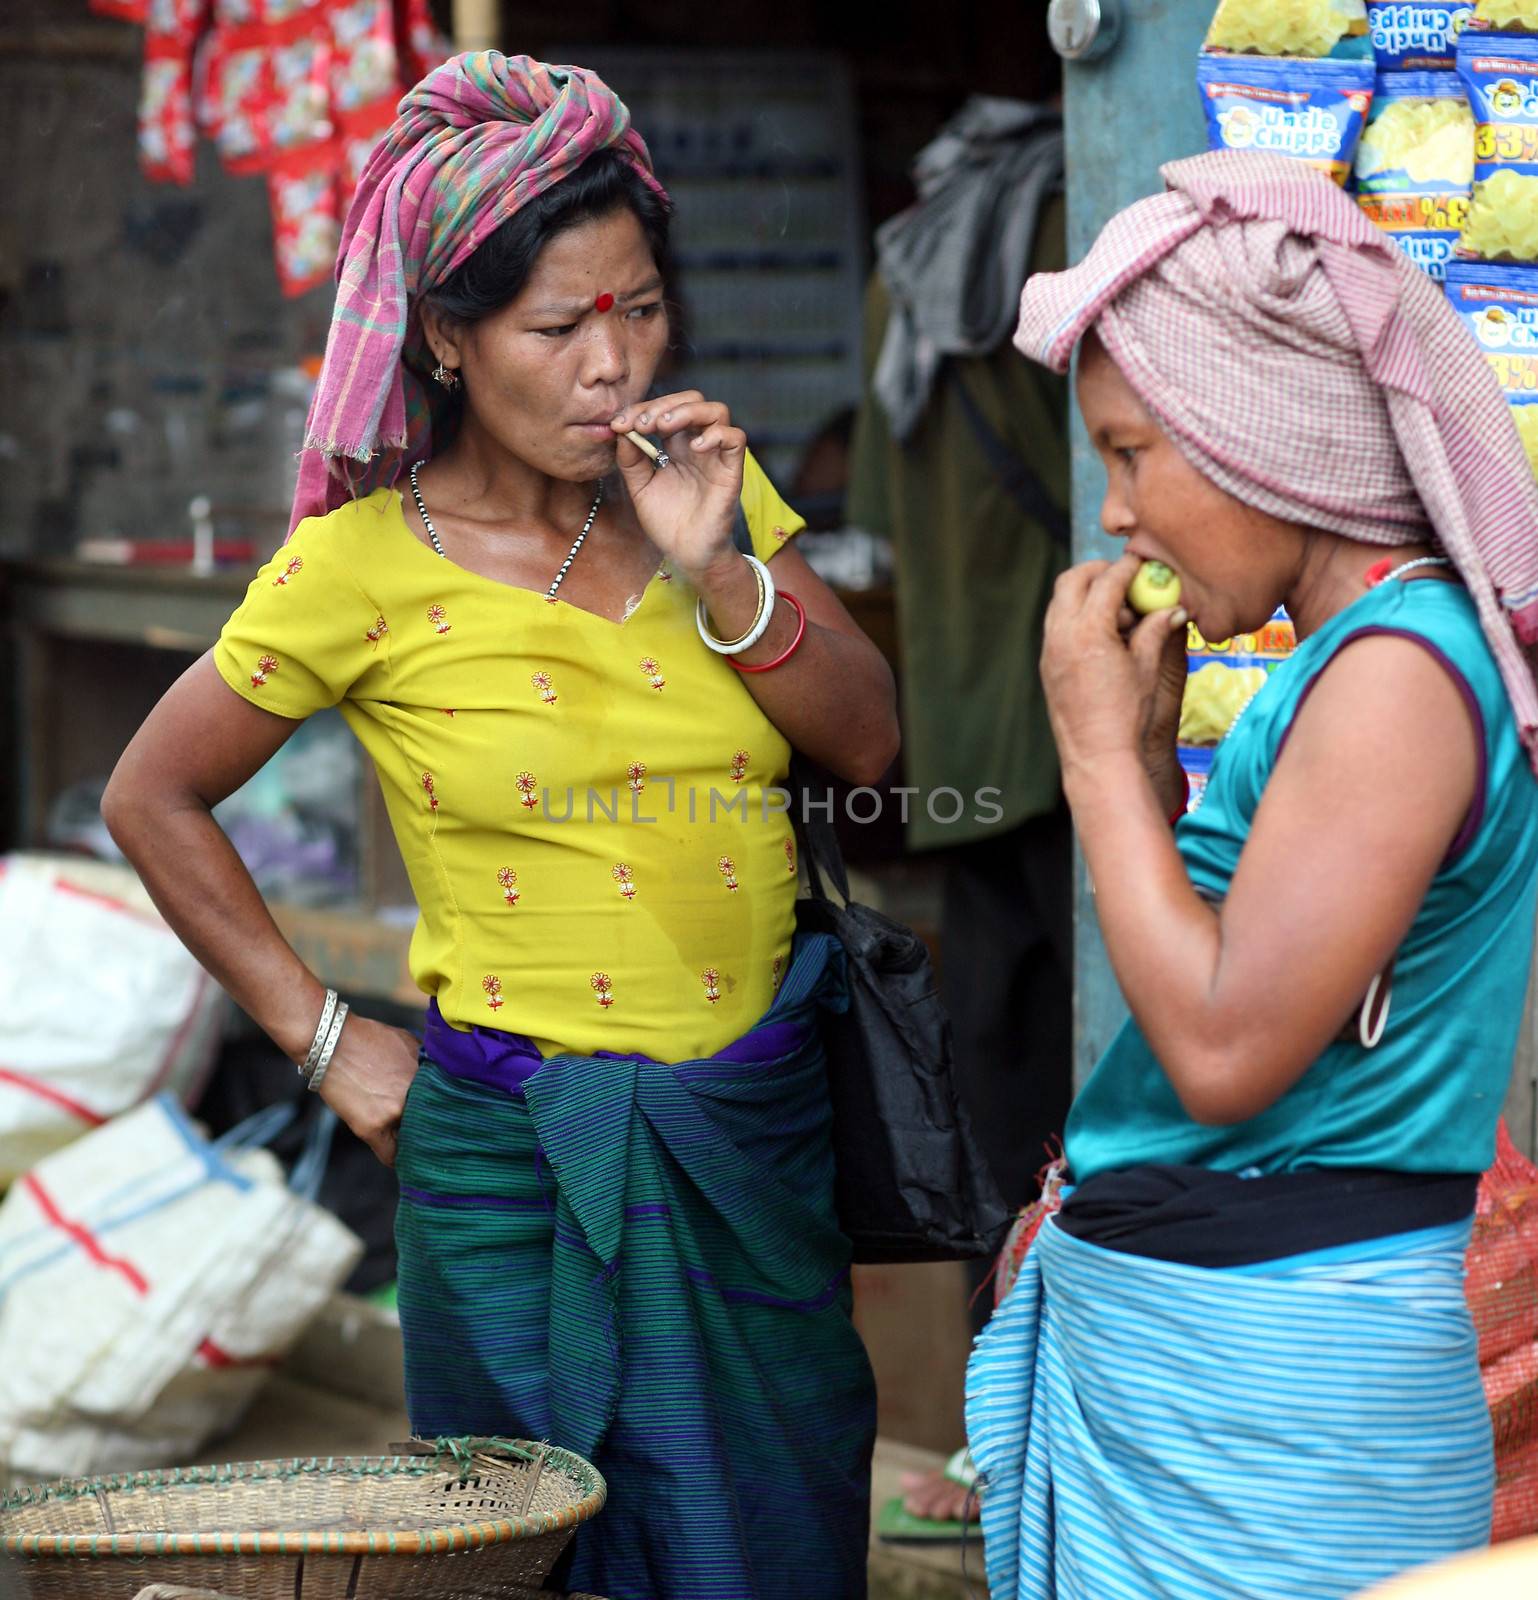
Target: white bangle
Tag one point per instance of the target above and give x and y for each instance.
(322, 1028)
(735, 647)
(333, 1039)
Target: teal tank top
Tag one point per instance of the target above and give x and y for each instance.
(1426, 1099)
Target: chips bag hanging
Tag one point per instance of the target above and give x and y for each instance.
(1501, 77)
(1417, 35)
(1311, 110)
(1415, 164)
(1499, 306)
(1214, 696)
(1506, 16)
(1289, 27)
(1224, 675)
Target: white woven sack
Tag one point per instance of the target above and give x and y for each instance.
(100, 1005)
(148, 1284)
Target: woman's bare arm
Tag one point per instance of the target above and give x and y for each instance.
(200, 744)
(1376, 778)
(1373, 785)
(835, 698)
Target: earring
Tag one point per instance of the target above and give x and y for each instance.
(446, 376)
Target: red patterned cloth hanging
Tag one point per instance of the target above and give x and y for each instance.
(167, 137)
(298, 90)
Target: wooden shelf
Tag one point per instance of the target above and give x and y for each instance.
(165, 608)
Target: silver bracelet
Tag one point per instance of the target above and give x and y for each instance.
(328, 1050)
(322, 1028)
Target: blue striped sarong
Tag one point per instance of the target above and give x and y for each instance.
(1294, 1430)
(641, 1263)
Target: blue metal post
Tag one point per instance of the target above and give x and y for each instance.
(1125, 114)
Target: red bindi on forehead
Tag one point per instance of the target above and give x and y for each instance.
(605, 302)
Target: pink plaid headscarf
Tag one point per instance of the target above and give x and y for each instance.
(475, 140)
(1301, 362)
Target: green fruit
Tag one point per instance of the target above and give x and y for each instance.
(1155, 588)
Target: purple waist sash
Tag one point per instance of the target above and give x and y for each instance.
(507, 1061)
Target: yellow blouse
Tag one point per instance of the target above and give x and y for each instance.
(582, 805)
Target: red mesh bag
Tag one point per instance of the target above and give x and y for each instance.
(1502, 1285)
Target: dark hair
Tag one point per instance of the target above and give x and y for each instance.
(496, 273)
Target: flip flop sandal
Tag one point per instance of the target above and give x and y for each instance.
(895, 1524)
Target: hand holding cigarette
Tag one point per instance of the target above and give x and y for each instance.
(688, 512)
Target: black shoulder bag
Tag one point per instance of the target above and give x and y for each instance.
(911, 1184)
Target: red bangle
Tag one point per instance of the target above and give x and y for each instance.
(1185, 797)
(790, 649)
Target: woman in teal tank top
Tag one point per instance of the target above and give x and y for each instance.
(1424, 1099)
(1237, 1359)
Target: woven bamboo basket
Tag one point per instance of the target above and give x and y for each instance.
(470, 1519)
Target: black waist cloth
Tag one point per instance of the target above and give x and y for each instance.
(1202, 1218)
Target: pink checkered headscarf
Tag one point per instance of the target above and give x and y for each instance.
(474, 141)
(1300, 361)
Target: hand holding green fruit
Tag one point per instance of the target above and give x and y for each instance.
(1113, 686)
(1155, 588)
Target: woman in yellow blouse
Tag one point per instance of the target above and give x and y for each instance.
(580, 697)
(571, 792)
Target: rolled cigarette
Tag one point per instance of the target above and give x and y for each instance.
(645, 444)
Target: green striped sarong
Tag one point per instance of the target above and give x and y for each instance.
(640, 1262)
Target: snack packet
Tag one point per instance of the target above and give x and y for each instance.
(1501, 77)
(1415, 164)
(1499, 305)
(1224, 676)
(1312, 110)
(1289, 27)
(1417, 35)
(1506, 16)
(1215, 695)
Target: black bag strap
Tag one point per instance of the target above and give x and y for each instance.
(820, 849)
(1017, 476)
(823, 855)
